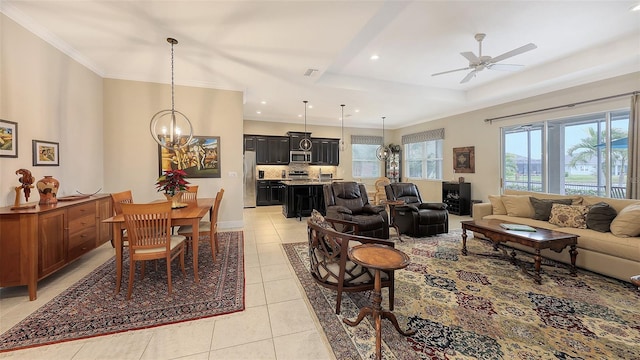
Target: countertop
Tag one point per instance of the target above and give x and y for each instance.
(301, 182)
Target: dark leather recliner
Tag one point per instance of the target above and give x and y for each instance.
(416, 218)
(349, 201)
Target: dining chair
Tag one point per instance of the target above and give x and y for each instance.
(191, 194)
(206, 227)
(149, 229)
(119, 198)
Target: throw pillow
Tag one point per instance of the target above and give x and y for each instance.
(569, 215)
(542, 207)
(600, 216)
(318, 219)
(497, 205)
(518, 205)
(627, 223)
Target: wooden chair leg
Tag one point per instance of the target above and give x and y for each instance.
(132, 270)
(169, 272)
(184, 273)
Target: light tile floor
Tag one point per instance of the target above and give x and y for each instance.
(276, 324)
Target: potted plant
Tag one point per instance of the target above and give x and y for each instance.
(172, 183)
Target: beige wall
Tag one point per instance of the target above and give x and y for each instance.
(131, 158)
(52, 98)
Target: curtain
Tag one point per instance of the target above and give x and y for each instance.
(437, 134)
(366, 140)
(633, 173)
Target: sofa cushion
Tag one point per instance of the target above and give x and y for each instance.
(497, 205)
(518, 205)
(627, 223)
(542, 207)
(600, 216)
(617, 204)
(605, 243)
(569, 215)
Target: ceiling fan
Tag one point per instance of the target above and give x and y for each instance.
(480, 62)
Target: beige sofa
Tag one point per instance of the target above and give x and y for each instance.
(617, 256)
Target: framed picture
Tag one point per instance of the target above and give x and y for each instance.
(199, 159)
(45, 153)
(8, 138)
(464, 159)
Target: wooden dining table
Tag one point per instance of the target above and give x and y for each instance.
(188, 215)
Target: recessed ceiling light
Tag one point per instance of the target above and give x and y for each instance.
(299, 115)
(374, 57)
(310, 106)
(258, 112)
(357, 110)
(636, 7)
(263, 102)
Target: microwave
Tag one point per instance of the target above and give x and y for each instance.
(300, 157)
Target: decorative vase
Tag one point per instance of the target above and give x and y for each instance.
(48, 190)
(175, 199)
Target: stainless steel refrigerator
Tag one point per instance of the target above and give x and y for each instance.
(249, 179)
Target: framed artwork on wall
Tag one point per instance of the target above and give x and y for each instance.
(45, 153)
(199, 159)
(8, 138)
(464, 160)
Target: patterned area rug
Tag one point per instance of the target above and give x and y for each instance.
(482, 307)
(90, 308)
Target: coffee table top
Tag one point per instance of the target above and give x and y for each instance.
(540, 239)
(377, 256)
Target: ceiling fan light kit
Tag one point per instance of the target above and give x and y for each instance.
(481, 62)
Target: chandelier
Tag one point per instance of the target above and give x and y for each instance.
(171, 128)
(305, 144)
(342, 145)
(383, 152)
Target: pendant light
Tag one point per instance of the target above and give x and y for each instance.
(171, 128)
(342, 145)
(305, 144)
(383, 152)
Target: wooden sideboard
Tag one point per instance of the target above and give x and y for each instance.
(35, 243)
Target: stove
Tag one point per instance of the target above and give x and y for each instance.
(298, 174)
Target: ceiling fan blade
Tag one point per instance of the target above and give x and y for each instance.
(468, 77)
(450, 71)
(473, 59)
(514, 52)
(505, 67)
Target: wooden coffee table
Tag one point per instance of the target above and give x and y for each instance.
(537, 240)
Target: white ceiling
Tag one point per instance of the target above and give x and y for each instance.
(263, 48)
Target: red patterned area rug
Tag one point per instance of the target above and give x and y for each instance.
(90, 308)
(482, 307)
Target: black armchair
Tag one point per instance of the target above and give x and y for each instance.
(416, 218)
(349, 201)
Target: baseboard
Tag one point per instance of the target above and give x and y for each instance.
(222, 225)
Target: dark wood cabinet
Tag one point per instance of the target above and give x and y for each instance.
(249, 143)
(270, 150)
(295, 138)
(457, 196)
(269, 192)
(35, 243)
(305, 196)
(325, 151)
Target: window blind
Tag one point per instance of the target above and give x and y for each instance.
(436, 134)
(366, 140)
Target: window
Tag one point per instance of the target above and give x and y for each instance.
(364, 163)
(423, 154)
(584, 155)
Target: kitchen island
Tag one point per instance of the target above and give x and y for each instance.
(302, 196)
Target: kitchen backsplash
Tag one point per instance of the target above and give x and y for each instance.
(275, 171)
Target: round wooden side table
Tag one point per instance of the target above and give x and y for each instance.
(378, 257)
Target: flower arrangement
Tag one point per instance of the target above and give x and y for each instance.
(172, 181)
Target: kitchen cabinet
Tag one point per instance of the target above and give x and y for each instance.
(270, 150)
(325, 151)
(457, 196)
(269, 192)
(295, 138)
(249, 143)
(36, 242)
